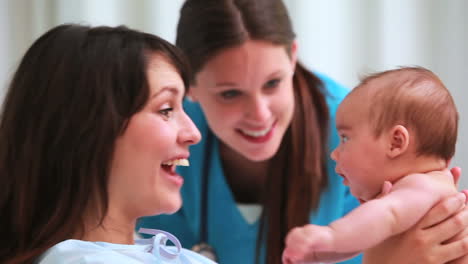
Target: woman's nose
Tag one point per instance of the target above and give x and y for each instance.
(189, 133)
(259, 109)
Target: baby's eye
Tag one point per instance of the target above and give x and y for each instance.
(343, 138)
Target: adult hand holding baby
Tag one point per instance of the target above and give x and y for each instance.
(442, 227)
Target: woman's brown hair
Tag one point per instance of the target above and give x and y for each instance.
(70, 98)
(297, 173)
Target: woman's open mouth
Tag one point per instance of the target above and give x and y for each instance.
(257, 136)
(170, 166)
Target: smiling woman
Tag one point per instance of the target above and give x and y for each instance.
(154, 142)
(72, 191)
(250, 115)
(267, 126)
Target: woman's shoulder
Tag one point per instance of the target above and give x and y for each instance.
(334, 90)
(194, 258)
(79, 251)
(334, 93)
(83, 252)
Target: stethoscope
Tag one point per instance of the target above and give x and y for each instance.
(202, 247)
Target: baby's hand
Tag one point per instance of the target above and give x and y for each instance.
(302, 244)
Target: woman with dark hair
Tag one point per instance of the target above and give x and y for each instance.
(91, 132)
(267, 127)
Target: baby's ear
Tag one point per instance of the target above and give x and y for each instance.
(398, 141)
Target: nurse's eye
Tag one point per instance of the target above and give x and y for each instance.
(230, 94)
(343, 139)
(273, 83)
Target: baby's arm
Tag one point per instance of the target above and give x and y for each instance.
(378, 219)
(369, 224)
(305, 243)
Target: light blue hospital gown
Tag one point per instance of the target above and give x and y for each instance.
(152, 250)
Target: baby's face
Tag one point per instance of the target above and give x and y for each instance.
(360, 156)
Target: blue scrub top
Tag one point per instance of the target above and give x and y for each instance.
(233, 238)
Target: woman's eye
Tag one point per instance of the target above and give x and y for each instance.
(229, 94)
(272, 83)
(166, 112)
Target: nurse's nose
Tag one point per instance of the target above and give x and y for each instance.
(259, 109)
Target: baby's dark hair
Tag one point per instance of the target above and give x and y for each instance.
(417, 99)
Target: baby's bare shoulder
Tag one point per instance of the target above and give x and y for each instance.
(435, 181)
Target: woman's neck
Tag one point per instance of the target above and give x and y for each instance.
(246, 178)
(115, 228)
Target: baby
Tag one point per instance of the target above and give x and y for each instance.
(394, 126)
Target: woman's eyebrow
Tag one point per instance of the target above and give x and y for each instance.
(275, 73)
(225, 84)
(170, 89)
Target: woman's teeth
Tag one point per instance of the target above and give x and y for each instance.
(260, 133)
(177, 162)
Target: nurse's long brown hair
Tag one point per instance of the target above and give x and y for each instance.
(70, 98)
(297, 174)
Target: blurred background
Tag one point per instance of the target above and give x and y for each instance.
(342, 38)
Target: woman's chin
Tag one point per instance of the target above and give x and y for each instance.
(263, 155)
(169, 208)
(174, 205)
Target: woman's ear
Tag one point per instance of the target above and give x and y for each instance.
(294, 47)
(398, 141)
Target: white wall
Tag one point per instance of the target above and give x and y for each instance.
(346, 39)
(342, 38)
